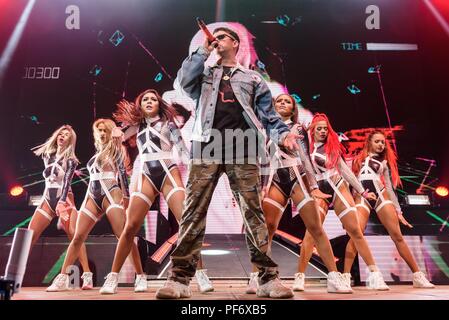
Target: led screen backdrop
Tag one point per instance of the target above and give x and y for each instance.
(367, 64)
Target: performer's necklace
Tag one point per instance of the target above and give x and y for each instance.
(226, 77)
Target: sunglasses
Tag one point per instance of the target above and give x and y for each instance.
(222, 36)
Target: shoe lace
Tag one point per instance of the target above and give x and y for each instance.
(378, 279)
(140, 280)
(60, 280)
(110, 279)
(170, 284)
(86, 276)
(340, 281)
(422, 278)
(276, 283)
(299, 276)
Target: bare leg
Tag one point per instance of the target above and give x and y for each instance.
(135, 213)
(117, 219)
(70, 231)
(272, 214)
(388, 217)
(312, 220)
(351, 224)
(39, 222)
(176, 201)
(84, 225)
(351, 250)
(308, 242)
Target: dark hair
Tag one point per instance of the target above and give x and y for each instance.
(295, 116)
(231, 32)
(129, 113)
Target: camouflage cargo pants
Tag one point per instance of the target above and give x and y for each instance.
(245, 186)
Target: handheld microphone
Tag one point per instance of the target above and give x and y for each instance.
(206, 31)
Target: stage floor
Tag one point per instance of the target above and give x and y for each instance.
(235, 290)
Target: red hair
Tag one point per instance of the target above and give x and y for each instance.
(129, 113)
(388, 154)
(332, 146)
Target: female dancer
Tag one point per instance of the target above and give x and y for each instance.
(105, 194)
(289, 182)
(58, 153)
(154, 120)
(372, 167)
(333, 175)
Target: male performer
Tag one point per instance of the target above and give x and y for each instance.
(231, 101)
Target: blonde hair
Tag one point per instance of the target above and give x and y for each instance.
(111, 150)
(50, 146)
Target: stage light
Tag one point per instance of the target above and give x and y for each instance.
(442, 191)
(417, 200)
(16, 191)
(214, 252)
(441, 20)
(14, 40)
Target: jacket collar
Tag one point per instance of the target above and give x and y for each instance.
(238, 66)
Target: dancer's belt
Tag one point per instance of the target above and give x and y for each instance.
(369, 176)
(326, 175)
(102, 176)
(156, 156)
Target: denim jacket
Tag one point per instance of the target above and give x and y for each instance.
(202, 85)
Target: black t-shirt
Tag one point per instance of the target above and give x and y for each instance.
(229, 115)
(228, 111)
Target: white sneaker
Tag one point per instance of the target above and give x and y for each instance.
(375, 281)
(173, 290)
(110, 285)
(274, 289)
(420, 281)
(253, 283)
(336, 283)
(204, 284)
(346, 278)
(141, 284)
(298, 284)
(60, 283)
(88, 283)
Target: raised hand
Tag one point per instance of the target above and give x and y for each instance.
(290, 141)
